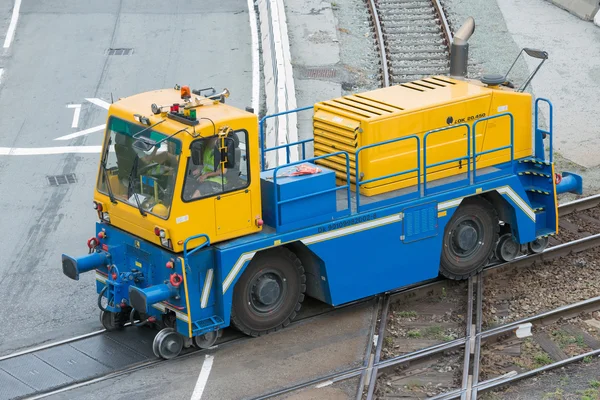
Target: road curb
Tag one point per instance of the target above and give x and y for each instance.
(280, 92)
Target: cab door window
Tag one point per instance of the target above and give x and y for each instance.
(217, 165)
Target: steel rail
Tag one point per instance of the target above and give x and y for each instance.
(380, 42)
(443, 22)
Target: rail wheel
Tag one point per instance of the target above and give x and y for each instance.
(207, 340)
(538, 245)
(167, 344)
(507, 248)
(469, 239)
(269, 293)
(112, 321)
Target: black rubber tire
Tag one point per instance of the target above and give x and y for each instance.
(280, 261)
(481, 215)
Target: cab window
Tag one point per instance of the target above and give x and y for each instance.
(216, 166)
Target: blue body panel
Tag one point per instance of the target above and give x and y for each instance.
(363, 250)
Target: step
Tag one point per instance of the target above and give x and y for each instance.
(535, 189)
(544, 232)
(534, 161)
(537, 207)
(534, 173)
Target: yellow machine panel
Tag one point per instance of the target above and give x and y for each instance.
(415, 108)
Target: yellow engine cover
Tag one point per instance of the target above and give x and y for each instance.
(415, 108)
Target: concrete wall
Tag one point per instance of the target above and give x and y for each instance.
(584, 9)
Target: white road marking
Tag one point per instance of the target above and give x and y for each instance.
(202, 378)
(255, 65)
(10, 34)
(76, 113)
(1, 72)
(99, 102)
(35, 151)
(82, 133)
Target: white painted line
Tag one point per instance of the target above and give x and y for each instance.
(99, 102)
(82, 133)
(202, 378)
(35, 151)
(77, 108)
(10, 34)
(254, 49)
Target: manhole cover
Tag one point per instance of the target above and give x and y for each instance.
(57, 180)
(320, 73)
(120, 52)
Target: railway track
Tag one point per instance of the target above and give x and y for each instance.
(413, 39)
(132, 353)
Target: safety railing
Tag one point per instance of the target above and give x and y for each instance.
(261, 134)
(467, 157)
(482, 153)
(287, 147)
(186, 254)
(279, 202)
(540, 133)
(359, 183)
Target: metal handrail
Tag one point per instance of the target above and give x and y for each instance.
(261, 130)
(185, 252)
(287, 147)
(538, 130)
(418, 169)
(467, 157)
(511, 145)
(311, 160)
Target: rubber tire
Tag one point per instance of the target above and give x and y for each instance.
(469, 208)
(287, 263)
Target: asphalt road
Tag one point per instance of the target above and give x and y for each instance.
(59, 57)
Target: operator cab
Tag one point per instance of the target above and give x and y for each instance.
(168, 173)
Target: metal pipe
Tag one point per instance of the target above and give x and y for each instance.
(459, 50)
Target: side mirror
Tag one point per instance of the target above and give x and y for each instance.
(228, 153)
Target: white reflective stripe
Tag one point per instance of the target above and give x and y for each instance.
(505, 190)
(161, 307)
(449, 204)
(236, 269)
(351, 229)
(518, 200)
(206, 288)
(100, 277)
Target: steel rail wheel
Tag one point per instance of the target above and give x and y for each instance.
(269, 293)
(469, 239)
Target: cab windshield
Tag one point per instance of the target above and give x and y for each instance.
(136, 173)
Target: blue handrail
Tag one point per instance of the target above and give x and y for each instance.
(539, 140)
(185, 252)
(278, 202)
(467, 157)
(418, 169)
(510, 146)
(261, 130)
(287, 147)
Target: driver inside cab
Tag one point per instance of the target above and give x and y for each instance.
(208, 178)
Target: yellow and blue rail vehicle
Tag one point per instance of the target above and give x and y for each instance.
(196, 233)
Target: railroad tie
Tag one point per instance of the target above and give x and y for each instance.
(549, 346)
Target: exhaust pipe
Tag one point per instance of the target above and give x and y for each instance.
(459, 50)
